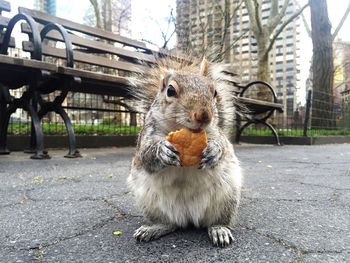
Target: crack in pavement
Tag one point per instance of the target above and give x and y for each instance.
(326, 186)
(42, 247)
(256, 199)
(301, 253)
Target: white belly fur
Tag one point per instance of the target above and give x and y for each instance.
(181, 196)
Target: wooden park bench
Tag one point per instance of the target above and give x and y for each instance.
(90, 61)
(256, 110)
(85, 49)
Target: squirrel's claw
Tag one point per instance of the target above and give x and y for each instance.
(148, 233)
(220, 236)
(211, 155)
(168, 154)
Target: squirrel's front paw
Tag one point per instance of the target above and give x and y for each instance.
(211, 155)
(168, 154)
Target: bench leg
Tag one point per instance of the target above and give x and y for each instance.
(73, 152)
(32, 144)
(241, 129)
(275, 134)
(4, 99)
(4, 121)
(238, 127)
(39, 136)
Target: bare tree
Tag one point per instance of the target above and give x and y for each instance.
(209, 32)
(323, 64)
(97, 12)
(167, 32)
(110, 15)
(267, 33)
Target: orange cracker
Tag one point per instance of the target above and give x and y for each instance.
(190, 145)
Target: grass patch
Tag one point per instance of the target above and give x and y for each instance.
(82, 129)
(113, 129)
(296, 132)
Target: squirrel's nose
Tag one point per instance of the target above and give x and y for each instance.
(202, 116)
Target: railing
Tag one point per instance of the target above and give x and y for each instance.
(320, 115)
(90, 114)
(100, 115)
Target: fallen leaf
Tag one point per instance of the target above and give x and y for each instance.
(37, 179)
(117, 233)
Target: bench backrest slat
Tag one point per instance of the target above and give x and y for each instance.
(45, 18)
(12, 41)
(85, 58)
(5, 6)
(95, 45)
(4, 21)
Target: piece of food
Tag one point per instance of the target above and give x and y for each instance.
(189, 144)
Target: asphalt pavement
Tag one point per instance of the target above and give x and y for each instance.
(295, 208)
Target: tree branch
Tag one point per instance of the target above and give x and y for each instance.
(257, 15)
(342, 83)
(277, 18)
(97, 12)
(341, 22)
(280, 29)
(252, 18)
(306, 25)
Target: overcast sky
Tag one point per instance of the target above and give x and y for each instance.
(149, 15)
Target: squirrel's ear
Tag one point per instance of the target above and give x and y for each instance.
(164, 76)
(204, 68)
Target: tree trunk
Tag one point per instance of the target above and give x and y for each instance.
(263, 64)
(107, 16)
(97, 12)
(322, 66)
(263, 73)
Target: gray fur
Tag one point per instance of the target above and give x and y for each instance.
(172, 196)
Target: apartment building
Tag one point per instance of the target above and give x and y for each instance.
(341, 88)
(211, 27)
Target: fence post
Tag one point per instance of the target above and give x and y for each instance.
(308, 111)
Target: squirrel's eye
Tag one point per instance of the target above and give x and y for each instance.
(215, 93)
(171, 91)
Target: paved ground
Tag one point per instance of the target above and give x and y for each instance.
(296, 208)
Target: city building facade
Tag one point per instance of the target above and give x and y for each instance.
(341, 89)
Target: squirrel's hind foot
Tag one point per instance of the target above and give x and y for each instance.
(148, 233)
(220, 236)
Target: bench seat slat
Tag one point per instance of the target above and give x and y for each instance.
(260, 105)
(27, 63)
(16, 72)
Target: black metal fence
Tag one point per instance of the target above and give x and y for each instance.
(320, 114)
(89, 113)
(105, 115)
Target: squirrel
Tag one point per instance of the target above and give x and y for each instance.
(176, 95)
